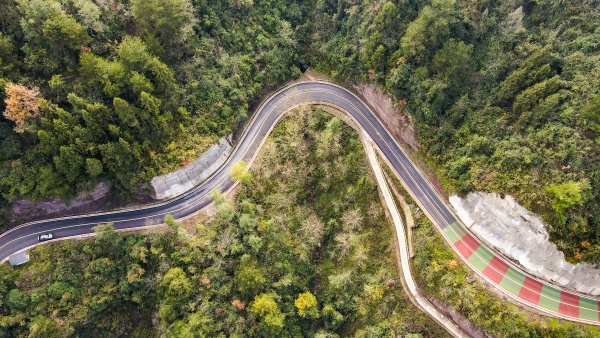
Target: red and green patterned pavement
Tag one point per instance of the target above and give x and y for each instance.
(526, 289)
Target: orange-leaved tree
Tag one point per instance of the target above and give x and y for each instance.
(22, 104)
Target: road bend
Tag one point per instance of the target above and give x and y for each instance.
(509, 279)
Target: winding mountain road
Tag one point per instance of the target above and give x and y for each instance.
(507, 278)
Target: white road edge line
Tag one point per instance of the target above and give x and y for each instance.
(426, 306)
(418, 172)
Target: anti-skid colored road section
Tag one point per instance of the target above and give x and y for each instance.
(507, 278)
(517, 284)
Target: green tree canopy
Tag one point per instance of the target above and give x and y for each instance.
(239, 172)
(176, 284)
(264, 304)
(164, 23)
(428, 31)
(249, 278)
(565, 195)
(64, 30)
(16, 299)
(453, 62)
(41, 327)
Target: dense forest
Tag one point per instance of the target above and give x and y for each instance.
(505, 95)
(304, 250)
(124, 90)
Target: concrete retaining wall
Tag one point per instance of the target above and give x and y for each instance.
(180, 181)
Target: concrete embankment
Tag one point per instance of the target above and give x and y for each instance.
(178, 182)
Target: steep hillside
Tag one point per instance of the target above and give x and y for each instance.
(505, 95)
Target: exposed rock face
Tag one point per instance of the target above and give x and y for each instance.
(180, 181)
(55, 205)
(506, 226)
(399, 123)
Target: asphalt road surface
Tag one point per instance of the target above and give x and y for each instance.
(499, 273)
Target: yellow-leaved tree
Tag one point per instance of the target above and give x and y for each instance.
(307, 305)
(239, 172)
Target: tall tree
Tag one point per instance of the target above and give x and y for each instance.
(307, 305)
(429, 30)
(164, 24)
(22, 105)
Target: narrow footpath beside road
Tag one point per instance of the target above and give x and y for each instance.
(506, 277)
(411, 286)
